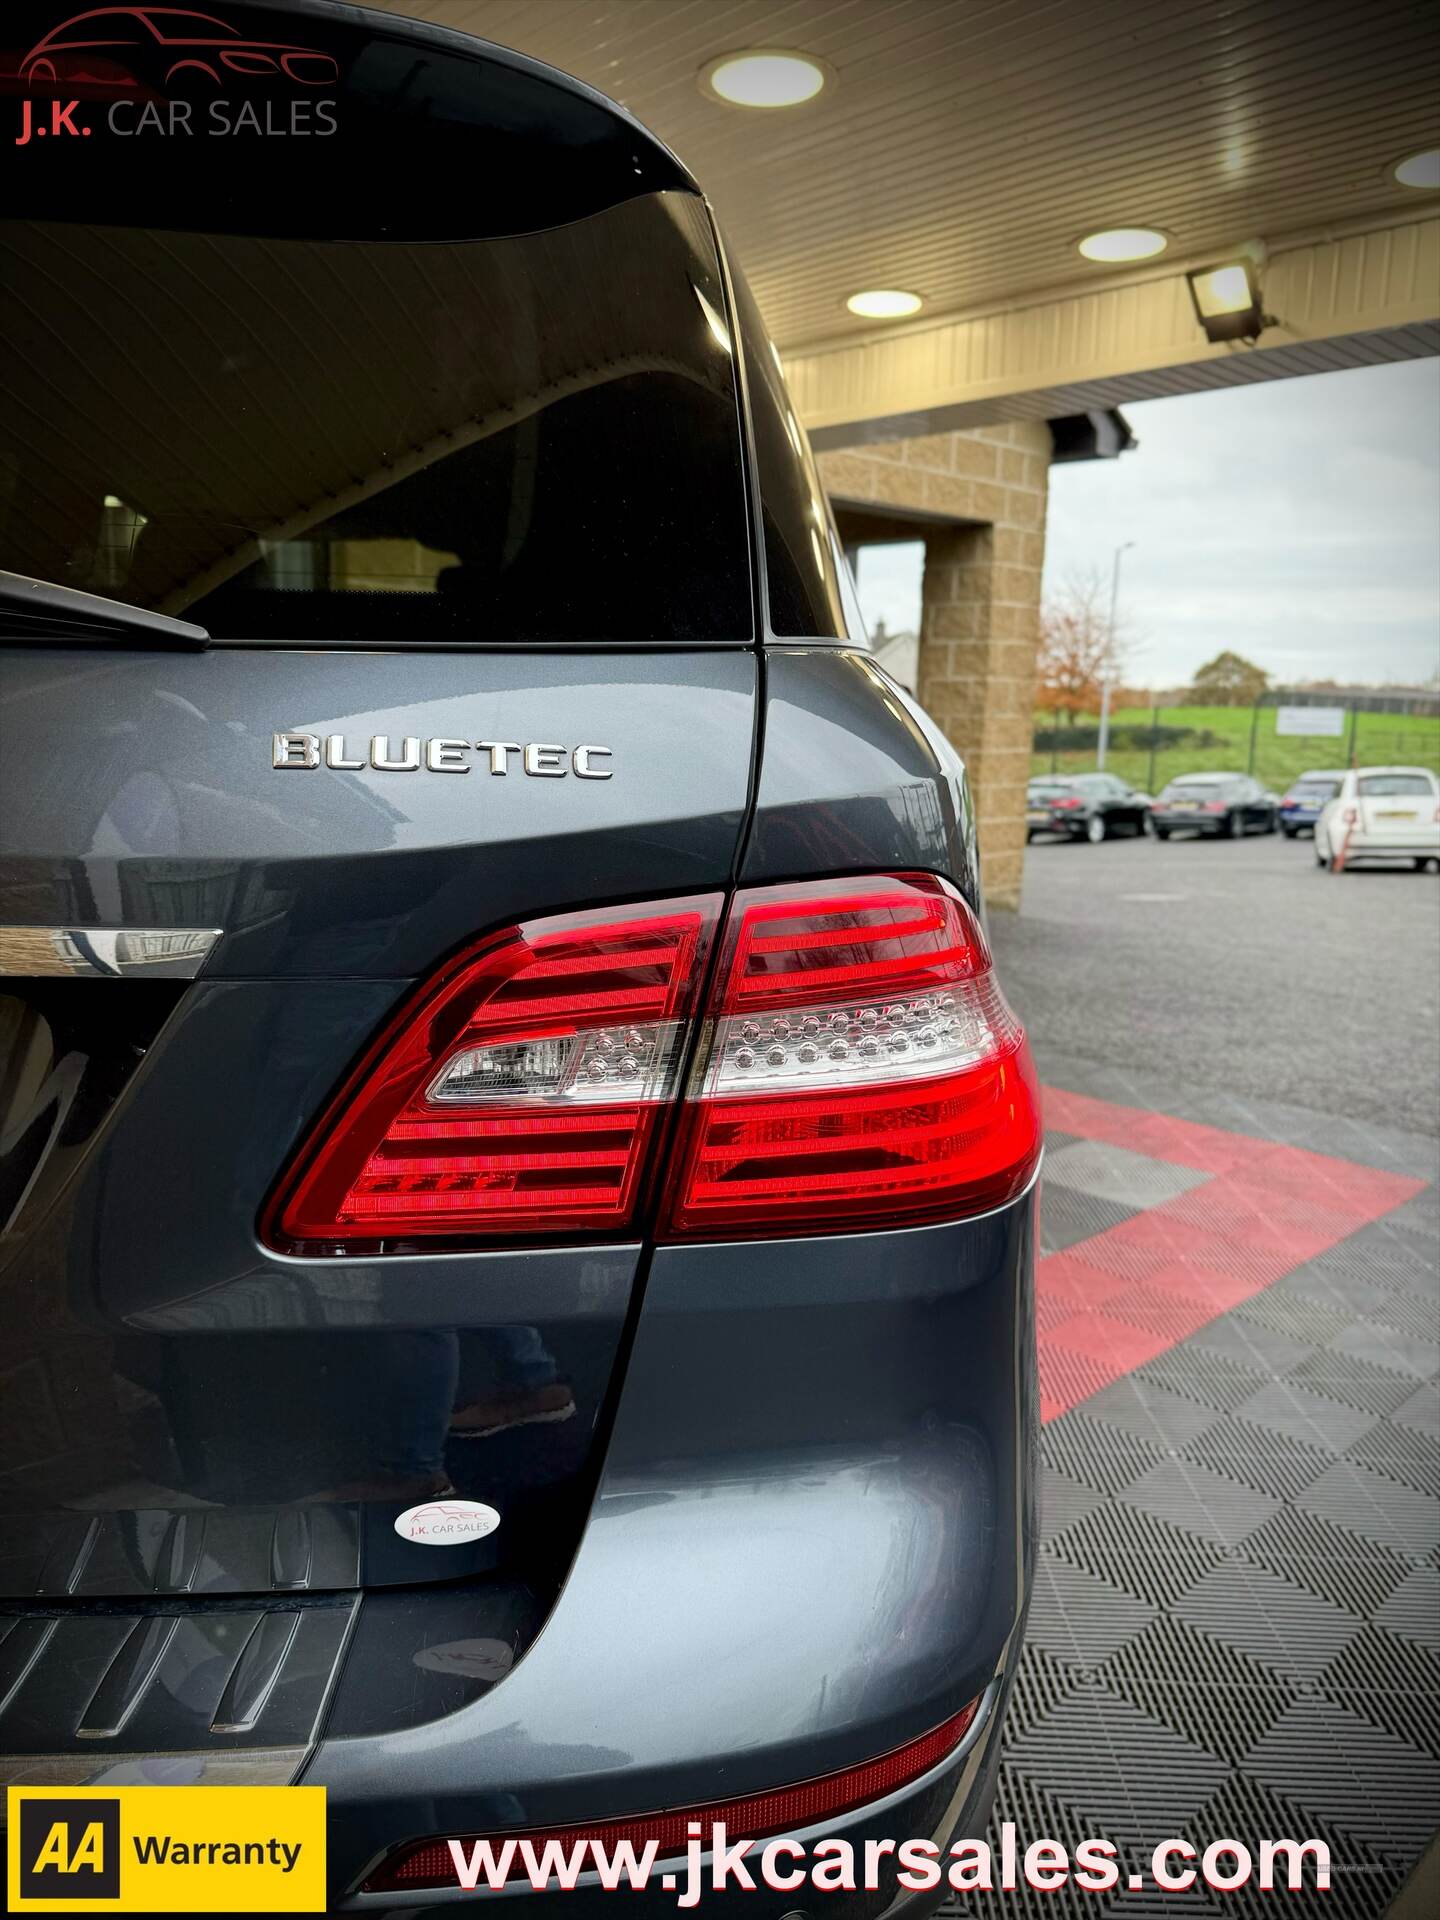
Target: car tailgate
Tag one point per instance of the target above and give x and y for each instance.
(186, 1410)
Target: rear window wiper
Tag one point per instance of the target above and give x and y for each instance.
(36, 612)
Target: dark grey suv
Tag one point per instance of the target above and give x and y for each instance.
(516, 1173)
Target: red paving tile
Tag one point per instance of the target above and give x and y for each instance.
(1110, 1303)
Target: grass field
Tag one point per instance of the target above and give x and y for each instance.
(1380, 738)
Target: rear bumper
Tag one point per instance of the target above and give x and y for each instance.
(951, 1802)
(1196, 823)
(1421, 846)
(812, 1542)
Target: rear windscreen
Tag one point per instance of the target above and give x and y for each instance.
(324, 325)
(1385, 786)
(1315, 789)
(527, 438)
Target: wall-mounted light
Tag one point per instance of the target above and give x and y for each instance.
(1227, 299)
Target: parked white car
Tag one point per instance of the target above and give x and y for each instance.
(1381, 813)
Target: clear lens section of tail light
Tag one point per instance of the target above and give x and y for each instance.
(518, 1094)
(596, 1066)
(862, 1068)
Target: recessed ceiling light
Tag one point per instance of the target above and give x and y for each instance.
(1421, 170)
(884, 303)
(1124, 243)
(765, 77)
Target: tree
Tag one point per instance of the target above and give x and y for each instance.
(1229, 680)
(1078, 650)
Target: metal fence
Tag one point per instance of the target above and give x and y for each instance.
(1151, 745)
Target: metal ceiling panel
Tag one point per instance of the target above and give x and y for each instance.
(964, 145)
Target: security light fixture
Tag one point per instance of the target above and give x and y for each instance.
(764, 77)
(1227, 299)
(1124, 243)
(1419, 170)
(884, 303)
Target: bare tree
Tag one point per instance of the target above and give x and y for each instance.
(1078, 649)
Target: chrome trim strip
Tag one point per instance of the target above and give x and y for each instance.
(106, 953)
(246, 1767)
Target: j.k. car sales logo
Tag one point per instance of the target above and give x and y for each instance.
(137, 71)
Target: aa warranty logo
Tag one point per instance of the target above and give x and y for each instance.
(167, 1850)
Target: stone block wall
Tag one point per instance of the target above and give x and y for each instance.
(980, 617)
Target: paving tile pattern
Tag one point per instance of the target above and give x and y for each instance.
(1236, 1620)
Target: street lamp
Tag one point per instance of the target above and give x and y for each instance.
(1104, 741)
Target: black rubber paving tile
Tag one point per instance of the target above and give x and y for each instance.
(1283, 1625)
(1137, 1552)
(1064, 1500)
(1361, 1884)
(1151, 1411)
(1124, 1773)
(1055, 1139)
(1259, 1457)
(1355, 1381)
(1313, 1419)
(1388, 1347)
(1358, 1776)
(1406, 1703)
(1067, 1217)
(1079, 1618)
(1411, 1610)
(1312, 1321)
(1040, 1682)
(1419, 1411)
(1358, 1280)
(1309, 1552)
(1208, 1378)
(1133, 1180)
(1374, 1506)
(1253, 1345)
(1102, 1456)
(1191, 1497)
(1409, 1457)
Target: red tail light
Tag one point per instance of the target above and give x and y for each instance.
(428, 1863)
(1065, 806)
(1217, 806)
(518, 1095)
(858, 1067)
(863, 1068)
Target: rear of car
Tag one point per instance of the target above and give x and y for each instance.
(1056, 807)
(1381, 813)
(1304, 800)
(1087, 806)
(1213, 804)
(507, 1120)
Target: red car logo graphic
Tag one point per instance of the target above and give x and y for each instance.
(152, 47)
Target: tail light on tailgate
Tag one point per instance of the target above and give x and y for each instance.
(856, 1066)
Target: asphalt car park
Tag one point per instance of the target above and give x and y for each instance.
(1234, 1627)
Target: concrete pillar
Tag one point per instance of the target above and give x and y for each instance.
(980, 619)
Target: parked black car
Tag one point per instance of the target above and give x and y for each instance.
(565, 1163)
(1231, 804)
(1085, 806)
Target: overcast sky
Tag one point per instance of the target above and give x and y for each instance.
(1297, 522)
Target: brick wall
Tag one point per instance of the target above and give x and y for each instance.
(980, 615)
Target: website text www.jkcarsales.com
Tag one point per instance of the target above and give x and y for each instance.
(716, 1864)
